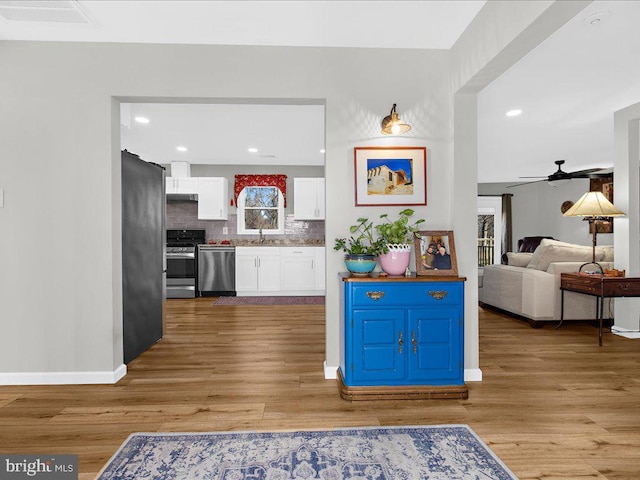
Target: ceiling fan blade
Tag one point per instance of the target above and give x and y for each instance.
(584, 173)
(527, 183)
(537, 176)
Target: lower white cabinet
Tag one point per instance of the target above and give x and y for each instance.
(280, 271)
(297, 268)
(257, 270)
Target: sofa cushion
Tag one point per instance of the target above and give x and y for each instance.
(546, 254)
(516, 259)
(607, 252)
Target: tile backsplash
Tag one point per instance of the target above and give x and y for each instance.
(184, 215)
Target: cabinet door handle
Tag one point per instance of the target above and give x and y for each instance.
(375, 295)
(400, 342)
(438, 294)
(414, 342)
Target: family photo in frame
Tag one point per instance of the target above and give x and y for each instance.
(435, 253)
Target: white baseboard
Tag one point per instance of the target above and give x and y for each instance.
(623, 332)
(63, 378)
(472, 375)
(330, 373)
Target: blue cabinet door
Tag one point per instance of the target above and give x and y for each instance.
(434, 345)
(379, 346)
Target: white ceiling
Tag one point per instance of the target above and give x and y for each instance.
(568, 87)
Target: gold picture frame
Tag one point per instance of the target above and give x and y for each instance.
(435, 253)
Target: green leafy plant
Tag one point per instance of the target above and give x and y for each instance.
(398, 231)
(361, 241)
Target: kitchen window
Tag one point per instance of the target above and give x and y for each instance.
(260, 207)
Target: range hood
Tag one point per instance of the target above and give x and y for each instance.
(181, 170)
(182, 197)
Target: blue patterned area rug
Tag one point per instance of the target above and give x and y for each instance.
(446, 452)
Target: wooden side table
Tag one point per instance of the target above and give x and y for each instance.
(600, 287)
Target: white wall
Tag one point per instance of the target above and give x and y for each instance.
(61, 311)
(60, 248)
(536, 211)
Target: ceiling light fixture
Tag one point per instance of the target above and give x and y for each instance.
(252, 150)
(392, 125)
(141, 119)
(181, 149)
(514, 113)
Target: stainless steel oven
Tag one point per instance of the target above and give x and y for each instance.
(182, 265)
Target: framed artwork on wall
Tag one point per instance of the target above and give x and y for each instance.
(604, 185)
(388, 176)
(435, 253)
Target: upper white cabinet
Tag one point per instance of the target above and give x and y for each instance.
(308, 198)
(182, 185)
(213, 195)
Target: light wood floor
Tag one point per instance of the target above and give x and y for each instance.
(552, 404)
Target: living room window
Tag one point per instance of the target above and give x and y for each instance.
(260, 208)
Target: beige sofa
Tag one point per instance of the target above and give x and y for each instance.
(529, 286)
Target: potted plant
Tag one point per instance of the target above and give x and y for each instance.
(361, 248)
(396, 237)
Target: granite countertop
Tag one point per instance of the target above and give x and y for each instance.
(272, 243)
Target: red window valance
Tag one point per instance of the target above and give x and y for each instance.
(279, 181)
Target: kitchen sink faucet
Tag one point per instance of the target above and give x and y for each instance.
(261, 236)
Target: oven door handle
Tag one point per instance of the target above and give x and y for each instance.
(181, 255)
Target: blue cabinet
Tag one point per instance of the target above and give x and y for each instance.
(402, 338)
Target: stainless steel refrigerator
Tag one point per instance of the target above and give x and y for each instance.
(143, 254)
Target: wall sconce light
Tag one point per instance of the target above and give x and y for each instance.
(392, 125)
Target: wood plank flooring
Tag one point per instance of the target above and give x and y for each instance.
(552, 404)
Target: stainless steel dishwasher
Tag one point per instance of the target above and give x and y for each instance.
(216, 270)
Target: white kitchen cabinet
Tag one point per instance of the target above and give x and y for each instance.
(182, 185)
(308, 198)
(213, 193)
(257, 270)
(297, 268)
(319, 268)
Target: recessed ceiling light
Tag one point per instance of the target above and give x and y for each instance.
(141, 119)
(322, 150)
(252, 150)
(181, 149)
(514, 113)
(596, 18)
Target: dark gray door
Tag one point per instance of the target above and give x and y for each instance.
(143, 239)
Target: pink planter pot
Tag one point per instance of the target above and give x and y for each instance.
(396, 261)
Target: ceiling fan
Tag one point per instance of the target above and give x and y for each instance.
(560, 176)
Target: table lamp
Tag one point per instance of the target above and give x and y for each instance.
(594, 207)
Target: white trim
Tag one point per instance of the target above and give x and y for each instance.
(63, 378)
(330, 373)
(472, 375)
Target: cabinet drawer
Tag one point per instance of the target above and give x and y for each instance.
(427, 293)
(622, 288)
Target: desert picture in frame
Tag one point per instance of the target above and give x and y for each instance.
(435, 253)
(388, 176)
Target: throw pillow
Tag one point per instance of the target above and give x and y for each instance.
(606, 251)
(519, 259)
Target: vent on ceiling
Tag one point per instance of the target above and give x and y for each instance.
(43, 11)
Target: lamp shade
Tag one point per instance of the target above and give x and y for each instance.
(593, 204)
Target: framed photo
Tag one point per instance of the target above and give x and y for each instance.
(604, 185)
(390, 176)
(435, 253)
